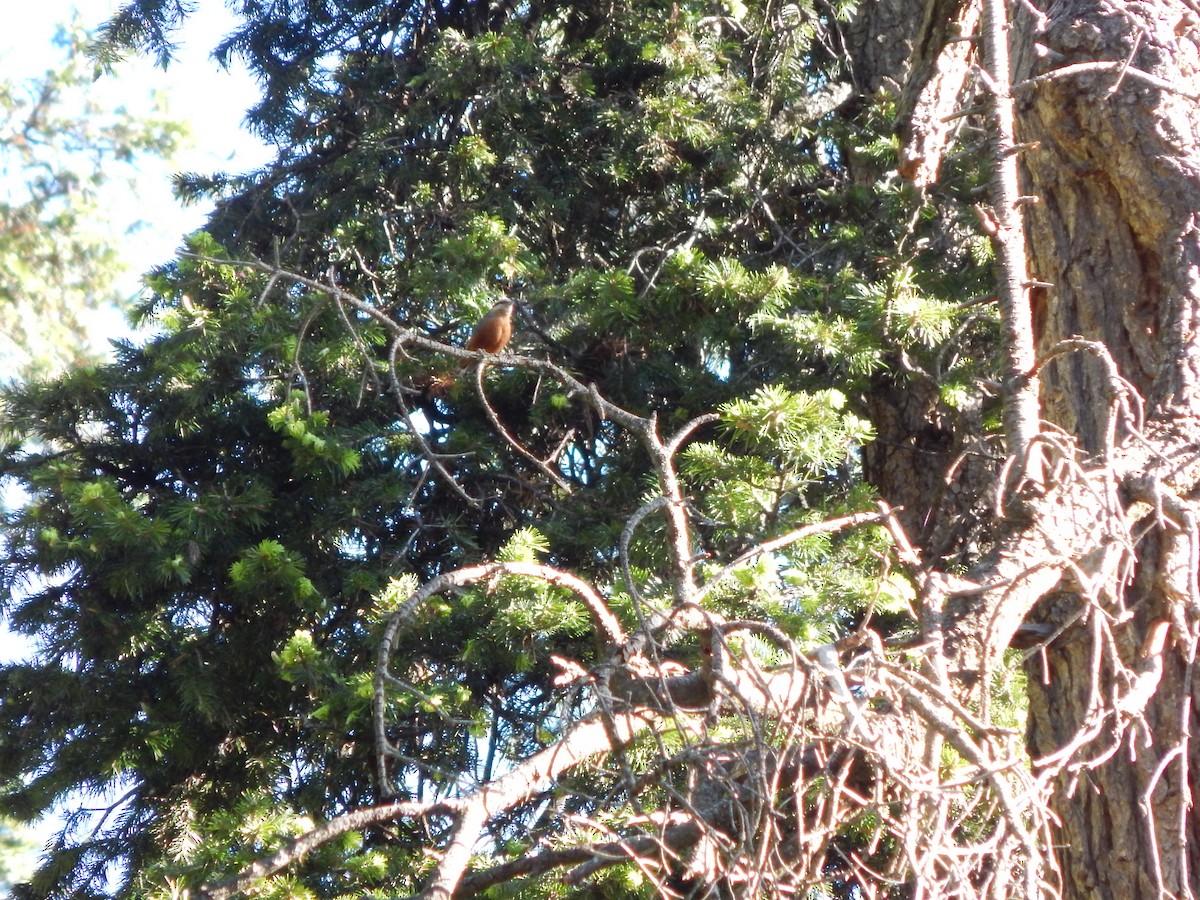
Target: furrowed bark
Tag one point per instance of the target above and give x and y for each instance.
(1105, 91)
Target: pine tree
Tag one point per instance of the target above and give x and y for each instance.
(330, 606)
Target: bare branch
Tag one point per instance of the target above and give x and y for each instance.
(541, 465)
(298, 847)
(785, 540)
(1021, 409)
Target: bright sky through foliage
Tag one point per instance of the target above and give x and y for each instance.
(148, 223)
(198, 93)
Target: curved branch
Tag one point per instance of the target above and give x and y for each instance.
(1125, 397)
(627, 536)
(830, 525)
(603, 616)
(512, 442)
(673, 442)
(298, 847)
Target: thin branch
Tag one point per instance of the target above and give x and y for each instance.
(434, 459)
(1118, 69)
(542, 466)
(830, 525)
(298, 847)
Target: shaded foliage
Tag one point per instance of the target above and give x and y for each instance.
(219, 521)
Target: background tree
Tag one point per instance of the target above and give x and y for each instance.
(58, 259)
(20, 855)
(575, 613)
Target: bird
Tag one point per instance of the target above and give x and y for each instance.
(493, 331)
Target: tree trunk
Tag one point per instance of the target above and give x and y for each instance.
(1117, 171)
(905, 48)
(1108, 113)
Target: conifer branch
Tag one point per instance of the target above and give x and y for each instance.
(645, 428)
(299, 847)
